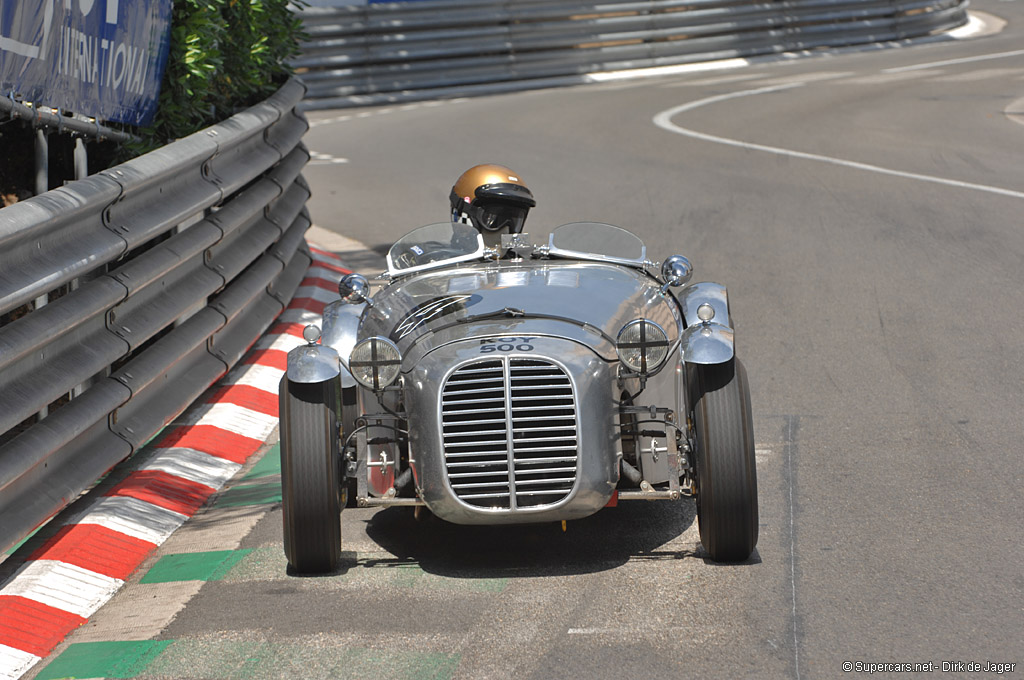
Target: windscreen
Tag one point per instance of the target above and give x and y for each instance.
(434, 245)
(594, 240)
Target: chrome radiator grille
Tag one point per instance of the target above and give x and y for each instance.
(508, 427)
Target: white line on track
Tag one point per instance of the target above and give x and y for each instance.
(664, 121)
(358, 115)
(975, 26)
(317, 158)
(721, 64)
(790, 437)
(953, 62)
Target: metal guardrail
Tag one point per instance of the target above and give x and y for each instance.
(380, 53)
(169, 267)
(54, 119)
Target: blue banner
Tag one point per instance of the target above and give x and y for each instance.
(99, 58)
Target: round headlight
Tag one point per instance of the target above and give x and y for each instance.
(642, 346)
(375, 363)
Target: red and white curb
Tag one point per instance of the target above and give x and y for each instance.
(88, 559)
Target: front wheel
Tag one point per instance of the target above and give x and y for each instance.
(724, 456)
(310, 492)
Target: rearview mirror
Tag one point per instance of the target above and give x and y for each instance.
(355, 289)
(675, 271)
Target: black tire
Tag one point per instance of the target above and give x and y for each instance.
(310, 492)
(349, 413)
(726, 469)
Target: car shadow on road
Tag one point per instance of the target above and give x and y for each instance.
(636, 530)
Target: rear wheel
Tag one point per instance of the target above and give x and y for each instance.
(310, 491)
(724, 456)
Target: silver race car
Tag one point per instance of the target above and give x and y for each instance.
(516, 383)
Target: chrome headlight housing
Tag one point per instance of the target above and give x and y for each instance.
(642, 346)
(375, 363)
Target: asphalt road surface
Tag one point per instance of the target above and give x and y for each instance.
(866, 210)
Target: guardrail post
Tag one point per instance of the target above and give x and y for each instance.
(81, 159)
(42, 186)
(42, 162)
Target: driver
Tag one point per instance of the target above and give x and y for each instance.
(493, 199)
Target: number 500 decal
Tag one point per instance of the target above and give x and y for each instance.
(506, 345)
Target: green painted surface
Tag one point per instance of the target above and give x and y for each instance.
(155, 437)
(232, 660)
(203, 566)
(104, 659)
(269, 464)
(250, 494)
(243, 660)
(360, 571)
(267, 563)
(19, 544)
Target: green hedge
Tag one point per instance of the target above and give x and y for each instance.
(225, 55)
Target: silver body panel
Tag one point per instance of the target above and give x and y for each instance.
(312, 364)
(340, 331)
(597, 299)
(694, 295)
(707, 342)
(494, 476)
(503, 327)
(564, 313)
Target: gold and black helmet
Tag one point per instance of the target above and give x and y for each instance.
(491, 198)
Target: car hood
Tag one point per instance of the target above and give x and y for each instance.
(586, 302)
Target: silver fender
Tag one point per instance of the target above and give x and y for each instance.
(709, 342)
(341, 332)
(312, 364)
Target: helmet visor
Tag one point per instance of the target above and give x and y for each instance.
(505, 193)
(498, 216)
